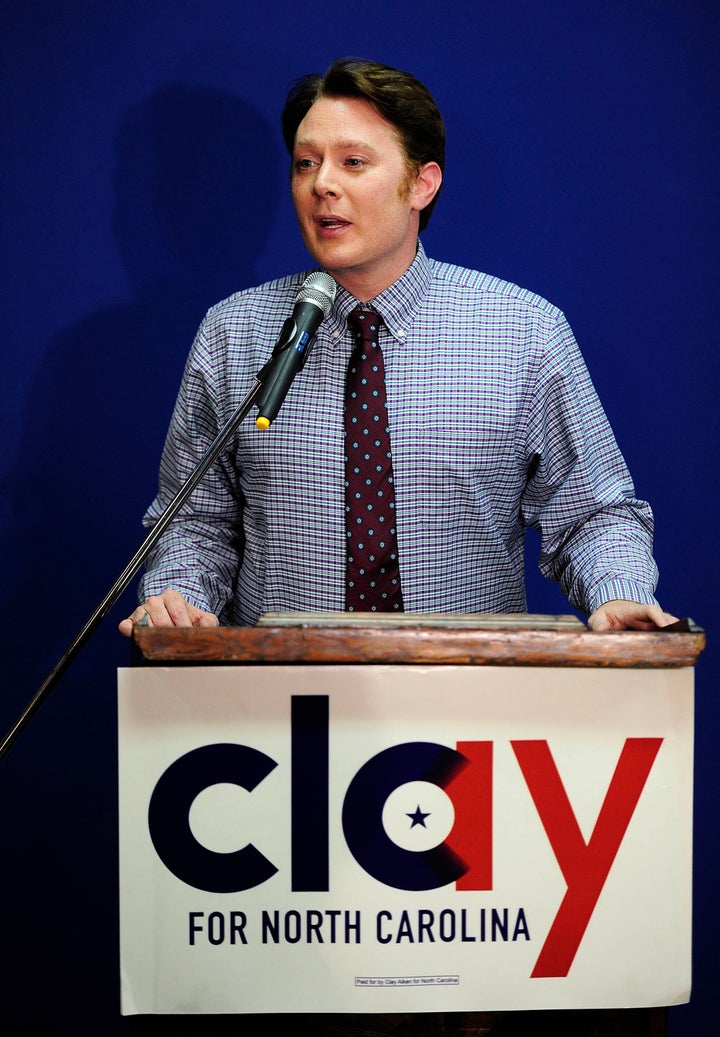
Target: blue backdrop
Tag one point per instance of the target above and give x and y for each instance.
(143, 179)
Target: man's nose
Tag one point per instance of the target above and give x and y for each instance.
(325, 181)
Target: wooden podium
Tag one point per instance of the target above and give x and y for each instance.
(514, 651)
(512, 640)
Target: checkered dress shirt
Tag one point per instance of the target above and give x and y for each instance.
(495, 425)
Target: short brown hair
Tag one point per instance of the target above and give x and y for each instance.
(398, 96)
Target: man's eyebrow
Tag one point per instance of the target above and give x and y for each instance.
(344, 145)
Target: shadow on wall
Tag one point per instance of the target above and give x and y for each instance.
(195, 196)
(198, 180)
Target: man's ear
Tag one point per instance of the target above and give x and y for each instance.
(426, 185)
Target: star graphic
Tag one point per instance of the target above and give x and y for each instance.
(418, 818)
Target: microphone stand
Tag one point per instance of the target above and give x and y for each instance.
(131, 568)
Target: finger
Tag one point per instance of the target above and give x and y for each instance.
(200, 618)
(140, 617)
(206, 619)
(168, 609)
(599, 622)
(125, 627)
(659, 618)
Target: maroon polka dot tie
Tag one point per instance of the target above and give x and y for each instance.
(373, 577)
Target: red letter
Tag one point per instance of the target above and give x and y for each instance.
(585, 867)
(471, 791)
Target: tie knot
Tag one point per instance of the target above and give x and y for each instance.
(364, 324)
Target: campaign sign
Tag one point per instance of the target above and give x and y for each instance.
(404, 838)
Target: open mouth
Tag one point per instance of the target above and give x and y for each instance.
(331, 222)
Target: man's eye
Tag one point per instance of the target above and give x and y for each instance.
(303, 163)
(354, 162)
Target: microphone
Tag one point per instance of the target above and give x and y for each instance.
(312, 306)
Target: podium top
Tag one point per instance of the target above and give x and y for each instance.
(421, 639)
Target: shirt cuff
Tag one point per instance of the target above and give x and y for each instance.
(620, 589)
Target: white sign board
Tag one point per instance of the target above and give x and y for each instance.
(404, 839)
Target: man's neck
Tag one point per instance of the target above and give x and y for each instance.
(365, 285)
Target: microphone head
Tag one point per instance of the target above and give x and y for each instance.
(318, 288)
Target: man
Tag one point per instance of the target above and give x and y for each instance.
(493, 421)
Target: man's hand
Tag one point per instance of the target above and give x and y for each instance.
(169, 609)
(629, 615)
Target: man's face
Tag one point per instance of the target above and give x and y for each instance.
(356, 200)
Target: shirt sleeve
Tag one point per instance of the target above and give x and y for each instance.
(199, 553)
(596, 534)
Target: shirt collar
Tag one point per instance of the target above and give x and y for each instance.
(396, 304)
